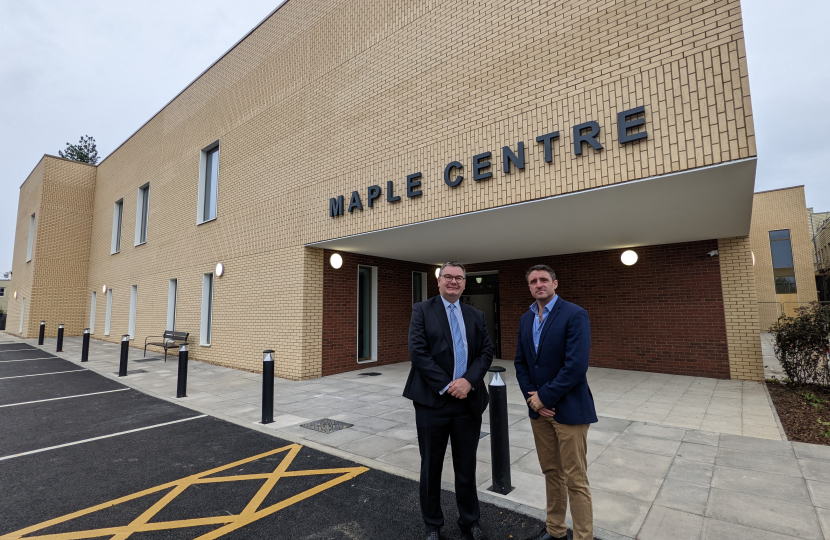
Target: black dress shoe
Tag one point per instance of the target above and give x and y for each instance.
(474, 533)
(433, 535)
(545, 535)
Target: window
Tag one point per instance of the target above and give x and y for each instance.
(2, 292)
(117, 215)
(31, 238)
(782, 261)
(208, 183)
(207, 309)
(171, 304)
(22, 314)
(133, 301)
(367, 314)
(92, 306)
(419, 287)
(108, 320)
(141, 214)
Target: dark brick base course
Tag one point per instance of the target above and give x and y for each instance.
(664, 314)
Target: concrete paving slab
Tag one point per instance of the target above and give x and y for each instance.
(775, 486)
(691, 472)
(819, 493)
(702, 437)
(644, 443)
(811, 451)
(759, 462)
(824, 519)
(774, 515)
(624, 482)
(659, 432)
(690, 498)
(753, 444)
(633, 461)
(618, 513)
(714, 529)
(815, 470)
(663, 523)
(373, 446)
(697, 452)
(407, 457)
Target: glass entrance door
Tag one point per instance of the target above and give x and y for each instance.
(482, 292)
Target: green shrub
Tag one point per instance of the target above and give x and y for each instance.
(802, 344)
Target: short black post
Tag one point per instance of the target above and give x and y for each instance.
(60, 338)
(181, 387)
(125, 350)
(499, 437)
(42, 333)
(267, 387)
(85, 346)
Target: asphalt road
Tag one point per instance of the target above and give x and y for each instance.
(82, 456)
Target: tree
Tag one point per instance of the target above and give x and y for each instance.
(84, 151)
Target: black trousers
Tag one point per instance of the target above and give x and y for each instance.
(456, 422)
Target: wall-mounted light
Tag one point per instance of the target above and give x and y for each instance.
(437, 272)
(336, 261)
(15, 295)
(753, 257)
(104, 289)
(220, 269)
(629, 257)
(479, 280)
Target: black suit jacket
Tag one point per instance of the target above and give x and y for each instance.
(433, 359)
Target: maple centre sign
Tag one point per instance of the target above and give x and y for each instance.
(629, 124)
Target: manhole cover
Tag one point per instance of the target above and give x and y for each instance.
(134, 371)
(326, 425)
(370, 374)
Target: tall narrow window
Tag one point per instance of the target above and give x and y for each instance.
(117, 215)
(207, 309)
(366, 314)
(141, 214)
(419, 287)
(30, 244)
(22, 314)
(108, 320)
(782, 261)
(208, 183)
(92, 306)
(172, 290)
(133, 302)
(2, 292)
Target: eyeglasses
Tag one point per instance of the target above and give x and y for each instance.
(458, 279)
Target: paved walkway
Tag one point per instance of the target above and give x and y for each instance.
(672, 457)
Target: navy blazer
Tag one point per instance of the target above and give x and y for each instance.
(433, 359)
(558, 370)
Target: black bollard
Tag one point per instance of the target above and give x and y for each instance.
(42, 333)
(181, 387)
(85, 346)
(267, 387)
(125, 350)
(60, 338)
(499, 437)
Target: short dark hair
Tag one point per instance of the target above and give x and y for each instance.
(452, 263)
(543, 267)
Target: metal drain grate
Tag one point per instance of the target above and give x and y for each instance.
(134, 371)
(326, 425)
(370, 374)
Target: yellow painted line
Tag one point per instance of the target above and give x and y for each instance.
(251, 513)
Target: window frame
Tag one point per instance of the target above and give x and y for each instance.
(172, 301)
(373, 315)
(201, 216)
(108, 319)
(424, 294)
(133, 308)
(142, 210)
(117, 225)
(93, 304)
(206, 328)
(30, 244)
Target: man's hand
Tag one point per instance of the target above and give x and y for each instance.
(536, 404)
(459, 388)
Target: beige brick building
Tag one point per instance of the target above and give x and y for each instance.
(606, 126)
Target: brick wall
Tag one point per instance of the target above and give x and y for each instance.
(394, 310)
(665, 314)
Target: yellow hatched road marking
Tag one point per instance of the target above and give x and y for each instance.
(249, 514)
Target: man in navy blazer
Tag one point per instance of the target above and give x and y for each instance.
(551, 367)
(450, 352)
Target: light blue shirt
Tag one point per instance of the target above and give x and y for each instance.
(460, 318)
(537, 324)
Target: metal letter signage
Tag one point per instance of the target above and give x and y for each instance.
(630, 128)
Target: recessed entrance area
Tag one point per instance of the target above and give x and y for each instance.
(482, 292)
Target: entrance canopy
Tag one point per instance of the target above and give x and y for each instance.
(698, 204)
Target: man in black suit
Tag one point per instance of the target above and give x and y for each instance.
(450, 352)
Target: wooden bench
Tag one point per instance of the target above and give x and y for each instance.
(169, 340)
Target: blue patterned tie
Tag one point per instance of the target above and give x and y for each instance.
(458, 345)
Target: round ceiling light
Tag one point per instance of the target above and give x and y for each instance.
(336, 261)
(479, 280)
(629, 257)
(220, 269)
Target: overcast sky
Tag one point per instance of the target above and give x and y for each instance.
(103, 68)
